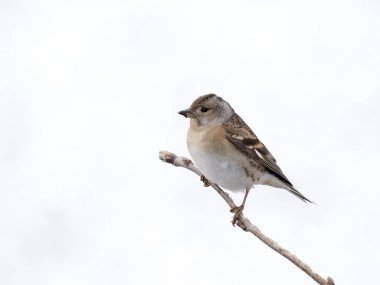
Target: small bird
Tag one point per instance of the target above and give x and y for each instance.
(227, 151)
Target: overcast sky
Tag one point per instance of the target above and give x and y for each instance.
(89, 93)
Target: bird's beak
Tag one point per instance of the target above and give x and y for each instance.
(184, 113)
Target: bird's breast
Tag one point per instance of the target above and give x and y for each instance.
(215, 158)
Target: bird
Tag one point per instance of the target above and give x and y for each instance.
(228, 153)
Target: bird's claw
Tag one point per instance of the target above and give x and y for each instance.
(206, 183)
(238, 211)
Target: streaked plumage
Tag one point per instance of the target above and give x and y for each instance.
(228, 152)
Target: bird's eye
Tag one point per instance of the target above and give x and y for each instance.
(204, 109)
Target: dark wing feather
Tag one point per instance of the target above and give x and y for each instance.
(236, 126)
(271, 167)
(243, 138)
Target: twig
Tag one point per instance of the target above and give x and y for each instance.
(243, 222)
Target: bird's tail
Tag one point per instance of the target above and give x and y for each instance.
(298, 194)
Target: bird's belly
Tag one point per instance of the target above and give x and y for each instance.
(221, 170)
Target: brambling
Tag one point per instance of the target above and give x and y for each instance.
(227, 151)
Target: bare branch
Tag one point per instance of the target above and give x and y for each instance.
(243, 222)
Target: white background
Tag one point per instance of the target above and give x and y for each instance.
(89, 93)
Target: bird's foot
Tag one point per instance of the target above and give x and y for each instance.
(206, 183)
(238, 211)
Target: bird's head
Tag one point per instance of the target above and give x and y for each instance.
(208, 110)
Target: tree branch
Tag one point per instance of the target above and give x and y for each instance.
(243, 222)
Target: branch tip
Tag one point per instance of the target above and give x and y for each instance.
(330, 281)
(167, 156)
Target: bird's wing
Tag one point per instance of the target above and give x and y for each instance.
(243, 138)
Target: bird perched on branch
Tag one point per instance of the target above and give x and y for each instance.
(227, 151)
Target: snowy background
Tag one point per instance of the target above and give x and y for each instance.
(89, 93)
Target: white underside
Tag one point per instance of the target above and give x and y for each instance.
(228, 174)
(222, 171)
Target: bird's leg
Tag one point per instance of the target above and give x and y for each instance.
(239, 210)
(206, 183)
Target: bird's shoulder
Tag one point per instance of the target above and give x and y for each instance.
(236, 128)
(244, 140)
